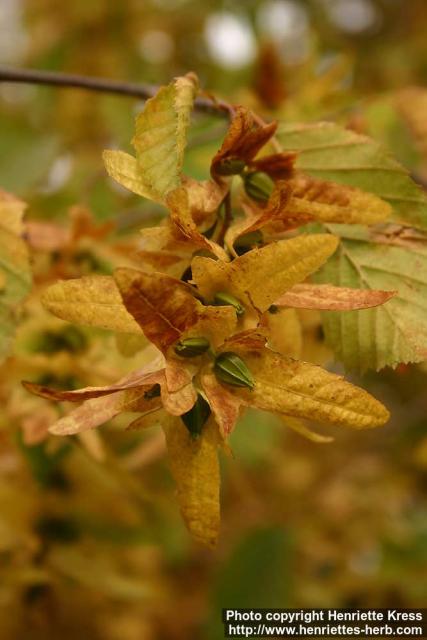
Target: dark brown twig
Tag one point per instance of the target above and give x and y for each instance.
(103, 85)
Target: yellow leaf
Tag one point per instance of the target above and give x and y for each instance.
(284, 332)
(94, 445)
(128, 344)
(314, 348)
(93, 301)
(331, 202)
(164, 250)
(300, 427)
(154, 418)
(195, 469)
(124, 169)
(160, 136)
(12, 213)
(260, 276)
(307, 391)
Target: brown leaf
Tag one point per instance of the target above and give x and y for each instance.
(256, 217)
(224, 405)
(269, 81)
(162, 306)
(83, 224)
(179, 372)
(204, 198)
(181, 400)
(181, 216)
(46, 236)
(244, 138)
(328, 297)
(250, 340)
(279, 166)
(96, 411)
(138, 378)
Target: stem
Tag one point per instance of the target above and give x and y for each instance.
(103, 85)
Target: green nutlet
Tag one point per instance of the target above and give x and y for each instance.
(231, 369)
(273, 309)
(230, 166)
(222, 299)
(258, 186)
(191, 347)
(196, 418)
(248, 241)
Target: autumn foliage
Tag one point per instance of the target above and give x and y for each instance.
(290, 220)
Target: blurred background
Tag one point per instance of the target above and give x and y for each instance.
(91, 541)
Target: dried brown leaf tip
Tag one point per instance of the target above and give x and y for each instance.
(245, 137)
(279, 166)
(183, 220)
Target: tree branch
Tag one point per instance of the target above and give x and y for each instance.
(103, 85)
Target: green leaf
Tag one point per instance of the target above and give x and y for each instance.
(15, 275)
(124, 169)
(161, 135)
(395, 331)
(159, 141)
(330, 152)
